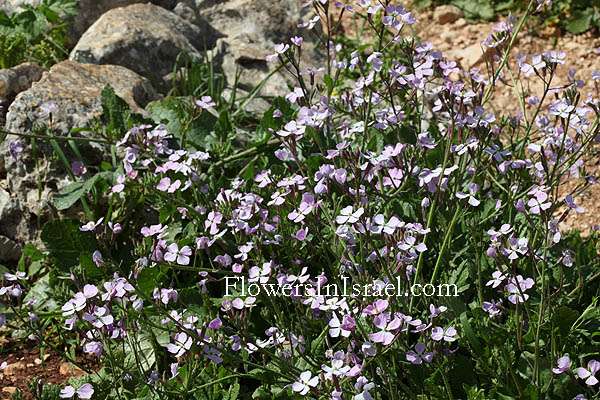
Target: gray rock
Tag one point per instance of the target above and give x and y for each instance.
(10, 251)
(75, 89)
(11, 6)
(251, 29)
(88, 12)
(275, 21)
(244, 55)
(256, 106)
(144, 38)
(12, 224)
(19, 78)
(242, 59)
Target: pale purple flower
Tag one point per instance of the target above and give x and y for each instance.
(48, 108)
(378, 307)
(385, 335)
(14, 150)
(205, 102)
(174, 253)
(517, 286)
(85, 391)
(215, 323)
(173, 368)
(588, 374)
(418, 355)
(90, 291)
(538, 203)
(18, 275)
(335, 328)
(165, 185)
(182, 344)
(448, 334)
(434, 311)
(498, 277)
(338, 368)
(297, 41)
(492, 308)
(94, 348)
(293, 97)
(77, 303)
(116, 228)
(564, 363)
(280, 48)
(569, 201)
(311, 23)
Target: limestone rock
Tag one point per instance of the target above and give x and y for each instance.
(275, 21)
(75, 89)
(88, 12)
(71, 370)
(14, 368)
(19, 78)
(11, 6)
(250, 31)
(144, 38)
(10, 390)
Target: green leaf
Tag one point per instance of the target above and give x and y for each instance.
(43, 293)
(581, 21)
(70, 194)
(469, 334)
(232, 392)
(564, 318)
(168, 112)
(143, 350)
(65, 242)
(115, 109)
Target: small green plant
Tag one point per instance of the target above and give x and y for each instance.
(36, 34)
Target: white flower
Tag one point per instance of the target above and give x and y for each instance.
(347, 216)
(303, 385)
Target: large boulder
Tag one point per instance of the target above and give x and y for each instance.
(144, 38)
(275, 21)
(19, 78)
(251, 29)
(75, 89)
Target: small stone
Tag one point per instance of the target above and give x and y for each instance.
(37, 361)
(13, 369)
(9, 390)
(68, 369)
(459, 23)
(446, 14)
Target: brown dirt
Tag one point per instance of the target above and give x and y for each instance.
(24, 364)
(460, 41)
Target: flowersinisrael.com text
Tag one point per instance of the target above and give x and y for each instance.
(346, 289)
